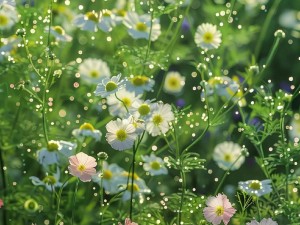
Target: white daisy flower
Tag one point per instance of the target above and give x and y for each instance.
(112, 178)
(50, 181)
(87, 130)
(107, 21)
(93, 70)
(8, 16)
(256, 187)
(158, 122)
(119, 15)
(138, 124)
(139, 84)
(141, 108)
(120, 134)
(139, 26)
(56, 152)
(264, 221)
(88, 21)
(294, 131)
(139, 186)
(174, 82)
(116, 102)
(227, 153)
(154, 165)
(109, 86)
(208, 36)
(59, 33)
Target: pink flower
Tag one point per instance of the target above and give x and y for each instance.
(1, 203)
(218, 208)
(128, 222)
(82, 166)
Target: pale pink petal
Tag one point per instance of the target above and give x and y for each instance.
(82, 158)
(73, 160)
(85, 177)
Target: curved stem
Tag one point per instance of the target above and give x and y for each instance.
(265, 27)
(74, 200)
(59, 199)
(132, 182)
(3, 179)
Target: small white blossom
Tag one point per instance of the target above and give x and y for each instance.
(59, 33)
(8, 16)
(174, 82)
(87, 130)
(139, 26)
(154, 165)
(109, 86)
(256, 187)
(88, 21)
(208, 36)
(121, 134)
(139, 84)
(50, 181)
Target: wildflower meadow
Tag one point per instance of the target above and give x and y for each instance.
(149, 112)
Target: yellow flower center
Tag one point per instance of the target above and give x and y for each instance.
(126, 101)
(107, 174)
(126, 174)
(87, 126)
(94, 73)
(255, 185)
(141, 27)
(52, 146)
(110, 86)
(81, 168)
(121, 135)
(139, 80)
(219, 210)
(174, 82)
(157, 120)
(155, 165)
(121, 12)
(135, 187)
(31, 206)
(49, 180)
(92, 16)
(3, 20)
(227, 158)
(59, 30)
(106, 13)
(208, 37)
(144, 109)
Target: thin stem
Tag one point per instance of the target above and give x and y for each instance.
(101, 193)
(4, 218)
(258, 209)
(183, 186)
(74, 201)
(265, 27)
(59, 199)
(122, 103)
(132, 181)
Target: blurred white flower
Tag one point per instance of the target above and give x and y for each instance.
(59, 33)
(227, 153)
(139, 26)
(263, 222)
(8, 16)
(109, 86)
(120, 134)
(208, 36)
(158, 121)
(93, 71)
(87, 130)
(50, 181)
(155, 165)
(56, 152)
(88, 21)
(118, 102)
(141, 108)
(174, 82)
(111, 178)
(107, 20)
(256, 187)
(7, 2)
(7, 45)
(294, 131)
(139, 84)
(250, 4)
(290, 19)
(139, 186)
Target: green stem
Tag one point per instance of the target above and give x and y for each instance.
(3, 179)
(183, 186)
(132, 182)
(74, 201)
(59, 199)
(101, 194)
(265, 27)
(258, 209)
